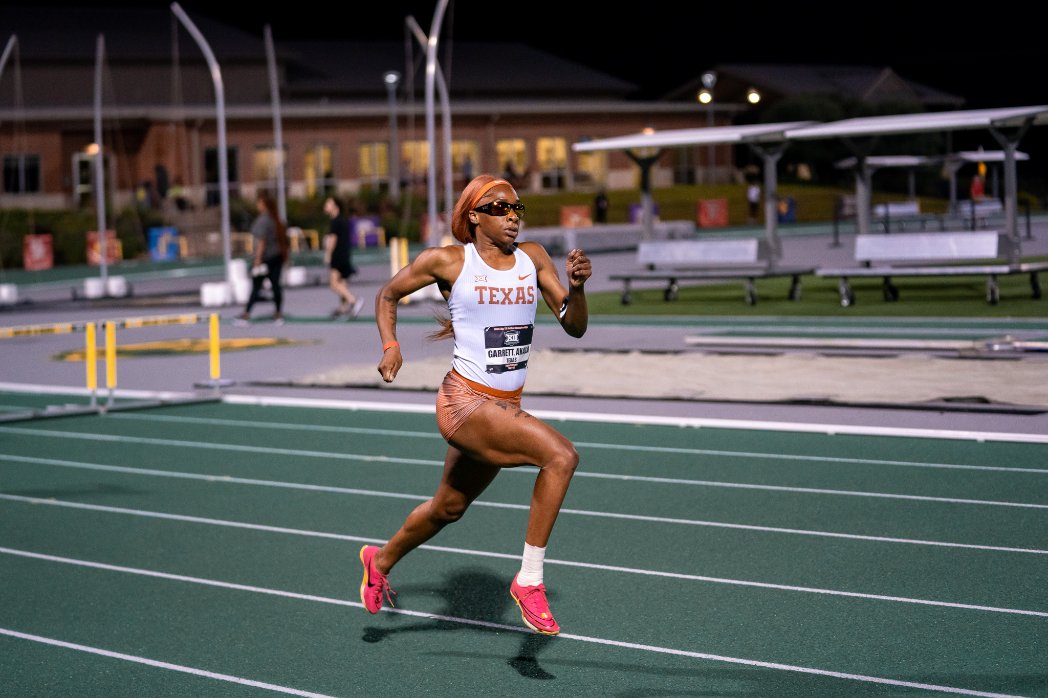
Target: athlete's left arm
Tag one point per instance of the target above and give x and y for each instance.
(568, 304)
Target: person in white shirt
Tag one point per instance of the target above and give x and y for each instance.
(753, 200)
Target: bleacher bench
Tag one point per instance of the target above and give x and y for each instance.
(674, 261)
(966, 253)
(903, 214)
(980, 209)
(897, 209)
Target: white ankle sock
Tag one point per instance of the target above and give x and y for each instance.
(531, 566)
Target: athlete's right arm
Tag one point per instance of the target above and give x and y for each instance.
(432, 265)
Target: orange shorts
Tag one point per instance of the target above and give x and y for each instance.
(459, 397)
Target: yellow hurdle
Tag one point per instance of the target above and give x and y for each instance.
(110, 359)
(91, 361)
(398, 259)
(91, 347)
(214, 344)
(394, 256)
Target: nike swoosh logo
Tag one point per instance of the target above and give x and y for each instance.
(523, 277)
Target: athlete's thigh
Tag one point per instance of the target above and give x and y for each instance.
(465, 477)
(505, 435)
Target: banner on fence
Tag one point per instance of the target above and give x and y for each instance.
(38, 252)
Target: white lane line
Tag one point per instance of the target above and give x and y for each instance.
(295, 452)
(698, 422)
(402, 433)
(300, 453)
(842, 493)
(505, 505)
(485, 624)
(504, 556)
(568, 416)
(158, 664)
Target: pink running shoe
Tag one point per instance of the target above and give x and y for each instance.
(375, 583)
(534, 608)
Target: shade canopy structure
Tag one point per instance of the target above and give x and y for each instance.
(766, 140)
(955, 161)
(984, 156)
(879, 161)
(1008, 125)
(876, 162)
(964, 119)
(951, 164)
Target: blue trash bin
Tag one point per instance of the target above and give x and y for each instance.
(636, 212)
(787, 210)
(163, 244)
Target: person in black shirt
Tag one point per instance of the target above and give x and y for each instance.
(600, 207)
(338, 250)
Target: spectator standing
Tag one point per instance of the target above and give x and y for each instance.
(163, 183)
(977, 190)
(600, 207)
(338, 251)
(271, 246)
(753, 200)
(467, 168)
(509, 173)
(178, 195)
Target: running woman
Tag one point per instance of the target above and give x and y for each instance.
(492, 286)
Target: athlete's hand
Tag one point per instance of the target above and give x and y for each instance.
(390, 364)
(578, 268)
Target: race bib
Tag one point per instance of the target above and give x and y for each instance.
(507, 348)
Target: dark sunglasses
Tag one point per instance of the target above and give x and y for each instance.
(501, 208)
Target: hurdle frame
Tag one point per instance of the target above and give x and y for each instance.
(110, 351)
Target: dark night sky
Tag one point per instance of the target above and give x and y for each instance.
(993, 58)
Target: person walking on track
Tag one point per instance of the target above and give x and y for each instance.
(492, 285)
(271, 251)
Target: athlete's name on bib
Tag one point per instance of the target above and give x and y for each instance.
(512, 351)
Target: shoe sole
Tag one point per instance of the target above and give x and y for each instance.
(524, 617)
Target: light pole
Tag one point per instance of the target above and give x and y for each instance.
(709, 80)
(646, 157)
(392, 80)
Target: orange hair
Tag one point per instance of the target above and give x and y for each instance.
(463, 230)
(461, 227)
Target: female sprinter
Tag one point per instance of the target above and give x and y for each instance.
(491, 284)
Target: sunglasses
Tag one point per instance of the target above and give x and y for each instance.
(501, 208)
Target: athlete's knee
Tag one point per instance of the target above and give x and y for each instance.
(448, 512)
(564, 461)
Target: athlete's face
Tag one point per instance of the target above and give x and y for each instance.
(497, 217)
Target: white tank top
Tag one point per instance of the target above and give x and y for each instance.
(493, 314)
